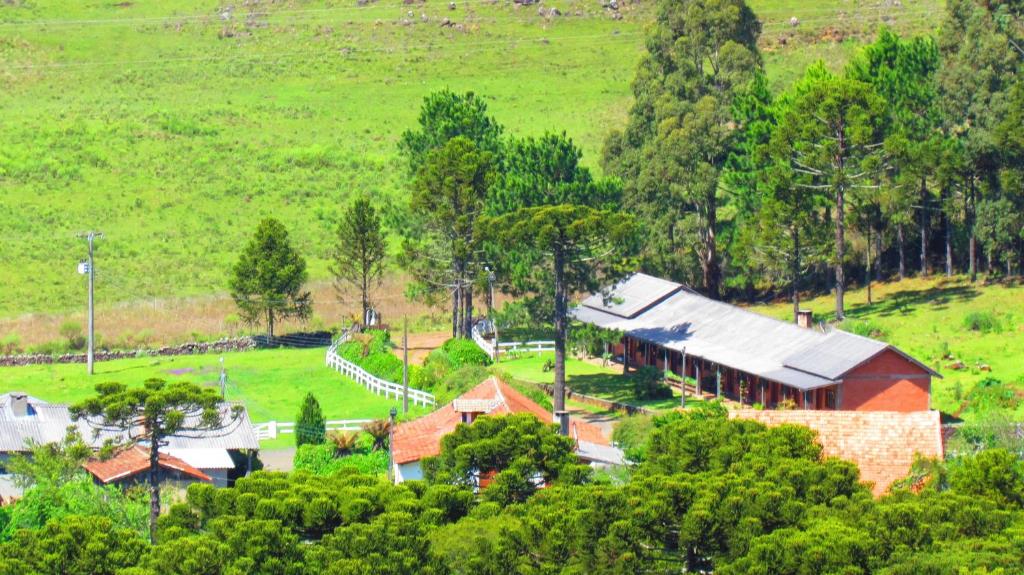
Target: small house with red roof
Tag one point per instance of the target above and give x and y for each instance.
(415, 440)
(131, 466)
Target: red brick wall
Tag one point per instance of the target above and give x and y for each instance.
(887, 383)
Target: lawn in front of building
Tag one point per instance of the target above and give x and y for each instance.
(582, 377)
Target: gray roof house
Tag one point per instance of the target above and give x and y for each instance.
(672, 327)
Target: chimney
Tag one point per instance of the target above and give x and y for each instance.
(562, 419)
(19, 404)
(805, 318)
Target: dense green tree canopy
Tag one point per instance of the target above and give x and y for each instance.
(267, 282)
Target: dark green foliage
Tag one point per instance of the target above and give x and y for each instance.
(649, 384)
(991, 396)
(323, 459)
(75, 545)
(983, 321)
(445, 115)
(591, 340)
(682, 131)
(462, 352)
(359, 253)
(267, 282)
(310, 425)
(631, 435)
(514, 448)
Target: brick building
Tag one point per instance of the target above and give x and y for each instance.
(742, 355)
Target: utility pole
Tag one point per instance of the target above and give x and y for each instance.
(90, 269)
(223, 379)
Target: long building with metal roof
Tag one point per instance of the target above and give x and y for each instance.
(735, 352)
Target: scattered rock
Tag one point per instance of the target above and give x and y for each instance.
(616, 15)
(794, 21)
(447, 23)
(554, 12)
(957, 365)
(451, 5)
(984, 367)
(423, 17)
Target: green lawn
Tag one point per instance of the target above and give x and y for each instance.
(926, 318)
(583, 377)
(173, 126)
(271, 383)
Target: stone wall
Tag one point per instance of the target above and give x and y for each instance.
(221, 345)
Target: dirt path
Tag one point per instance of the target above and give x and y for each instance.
(420, 344)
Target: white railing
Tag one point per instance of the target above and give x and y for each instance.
(369, 381)
(271, 429)
(509, 346)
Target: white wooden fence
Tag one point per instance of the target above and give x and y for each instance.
(369, 381)
(271, 429)
(508, 346)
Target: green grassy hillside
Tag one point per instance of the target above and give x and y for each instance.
(173, 126)
(967, 332)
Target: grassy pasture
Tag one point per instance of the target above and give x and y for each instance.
(272, 383)
(173, 126)
(927, 318)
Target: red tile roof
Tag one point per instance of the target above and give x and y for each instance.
(882, 443)
(135, 460)
(421, 437)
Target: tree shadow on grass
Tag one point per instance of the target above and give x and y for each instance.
(613, 387)
(904, 301)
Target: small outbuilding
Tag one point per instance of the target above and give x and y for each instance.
(131, 467)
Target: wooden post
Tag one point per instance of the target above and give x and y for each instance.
(682, 388)
(718, 383)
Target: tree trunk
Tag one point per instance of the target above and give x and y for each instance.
(867, 265)
(467, 311)
(840, 164)
(899, 246)
(455, 310)
(710, 267)
(840, 252)
(948, 231)
(365, 291)
(270, 326)
(795, 271)
(154, 486)
(561, 305)
(924, 230)
(972, 242)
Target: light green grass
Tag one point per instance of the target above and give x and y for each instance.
(173, 131)
(271, 383)
(924, 317)
(583, 377)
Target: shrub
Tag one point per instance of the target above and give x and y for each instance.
(647, 384)
(631, 435)
(590, 340)
(310, 427)
(459, 381)
(865, 328)
(991, 394)
(462, 352)
(548, 365)
(983, 321)
(10, 344)
(72, 333)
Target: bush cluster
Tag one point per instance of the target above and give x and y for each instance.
(648, 384)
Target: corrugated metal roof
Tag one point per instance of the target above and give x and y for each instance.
(600, 453)
(236, 433)
(632, 296)
(48, 423)
(203, 458)
(837, 353)
(741, 339)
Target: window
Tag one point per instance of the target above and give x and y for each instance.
(830, 399)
